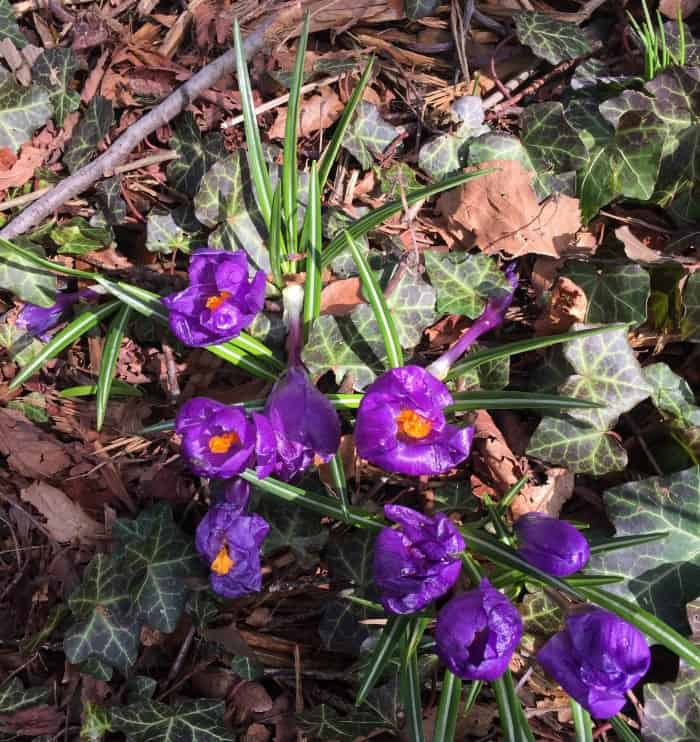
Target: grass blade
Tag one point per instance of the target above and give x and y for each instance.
(513, 720)
(342, 126)
(472, 694)
(373, 293)
(45, 263)
(448, 708)
(276, 238)
(340, 483)
(624, 542)
(314, 232)
(410, 693)
(523, 346)
(289, 161)
(361, 226)
(256, 161)
(68, 335)
(391, 635)
(119, 389)
(582, 722)
(108, 364)
(623, 730)
(515, 401)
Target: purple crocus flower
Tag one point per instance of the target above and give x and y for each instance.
(477, 633)
(220, 300)
(418, 562)
(401, 425)
(218, 440)
(38, 320)
(550, 544)
(230, 542)
(596, 659)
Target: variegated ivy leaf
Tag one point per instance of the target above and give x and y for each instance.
(464, 282)
(627, 165)
(420, 8)
(397, 179)
(691, 305)
(13, 696)
(225, 199)
(96, 669)
(334, 222)
(664, 575)
(551, 142)
(672, 710)
(368, 135)
(22, 347)
(112, 204)
(412, 305)
(679, 177)
(583, 113)
(541, 615)
(22, 111)
(551, 39)
(197, 154)
(247, 668)
(580, 448)
(156, 556)
(324, 722)
(594, 72)
(173, 230)
(341, 626)
(104, 630)
(8, 25)
(608, 373)
(77, 237)
(615, 293)
(490, 376)
(92, 129)
(24, 279)
(690, 44)
(151, 721)
(54, 69)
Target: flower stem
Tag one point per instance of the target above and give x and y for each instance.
(293, 300)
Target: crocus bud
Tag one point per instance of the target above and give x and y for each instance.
(401, 424)
(550, 544)
(477, 633)
(230, 543)
(220, 300)
(596, 659)
(38, 320)
(418, 562)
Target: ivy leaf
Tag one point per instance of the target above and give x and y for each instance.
(334, 222)
(8, 25)
(464, 282)
(96, 669)
(174, 230)
(583, 113)
(22, 111)
(225, 197)
(412, 305)
(627, 165)
(157, 556)
(672, 710)
(77, 237)
(324, 722)
(664, 575)
(197, 154)
(679, 175)
(340, 627)
(151, 721)
(105, 631)
(617, 293)
(396, 179)
(540, 614)
(111, 201)
(489, 376)
(420, 8)
(24, 279)
(368, 135)
(691, 304)
(54, 70)
(607, 372)
(672, 395)
(13, 696)
(349, 559)
(578, 447)
(247, 668)
(550, 39)
(92, 129)
(551, 142)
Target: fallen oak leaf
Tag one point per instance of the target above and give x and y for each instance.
(22, 170)
(65, 520)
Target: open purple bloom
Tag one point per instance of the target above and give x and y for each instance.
(401, 425)
(305, 424)
(220, 300)
(218, 440)
(418, 562)
(596, 659)
(38, 320)
(550, 544)
(477, 633)
(230, 542)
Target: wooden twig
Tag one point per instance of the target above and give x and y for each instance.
(161, 115)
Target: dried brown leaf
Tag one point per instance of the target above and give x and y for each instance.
(341, 297)
(493, 460)
(546, 498)
(317, 112)
(669, 8)
(30, 158)
(567, 305)
(34, 721)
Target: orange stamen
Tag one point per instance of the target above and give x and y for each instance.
(222, 443)
(223, 563)
(214, 302)
(412, 424)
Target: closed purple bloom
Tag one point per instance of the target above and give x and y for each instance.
(401, 425)
(220, 300)
(230, 542)
(550, 544)
(305, 424)
(218, 440)
(596, 659)
(477, 633)
(38, 320)
(418, 562)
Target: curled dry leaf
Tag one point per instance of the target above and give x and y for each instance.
(669, 8)
(22, 170)
(65, 520)
(341, 297)
(316, 112)
(546, 498)
(567, 305)
(499, 212)
(635, 248)
(34, 721)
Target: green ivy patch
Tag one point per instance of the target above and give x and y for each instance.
(8, 25)
(197, 154)
(22, 111)
(368, 135)
(23, 278)
(551, 39)
(92, 129)
(672, 710)
(54, 69)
